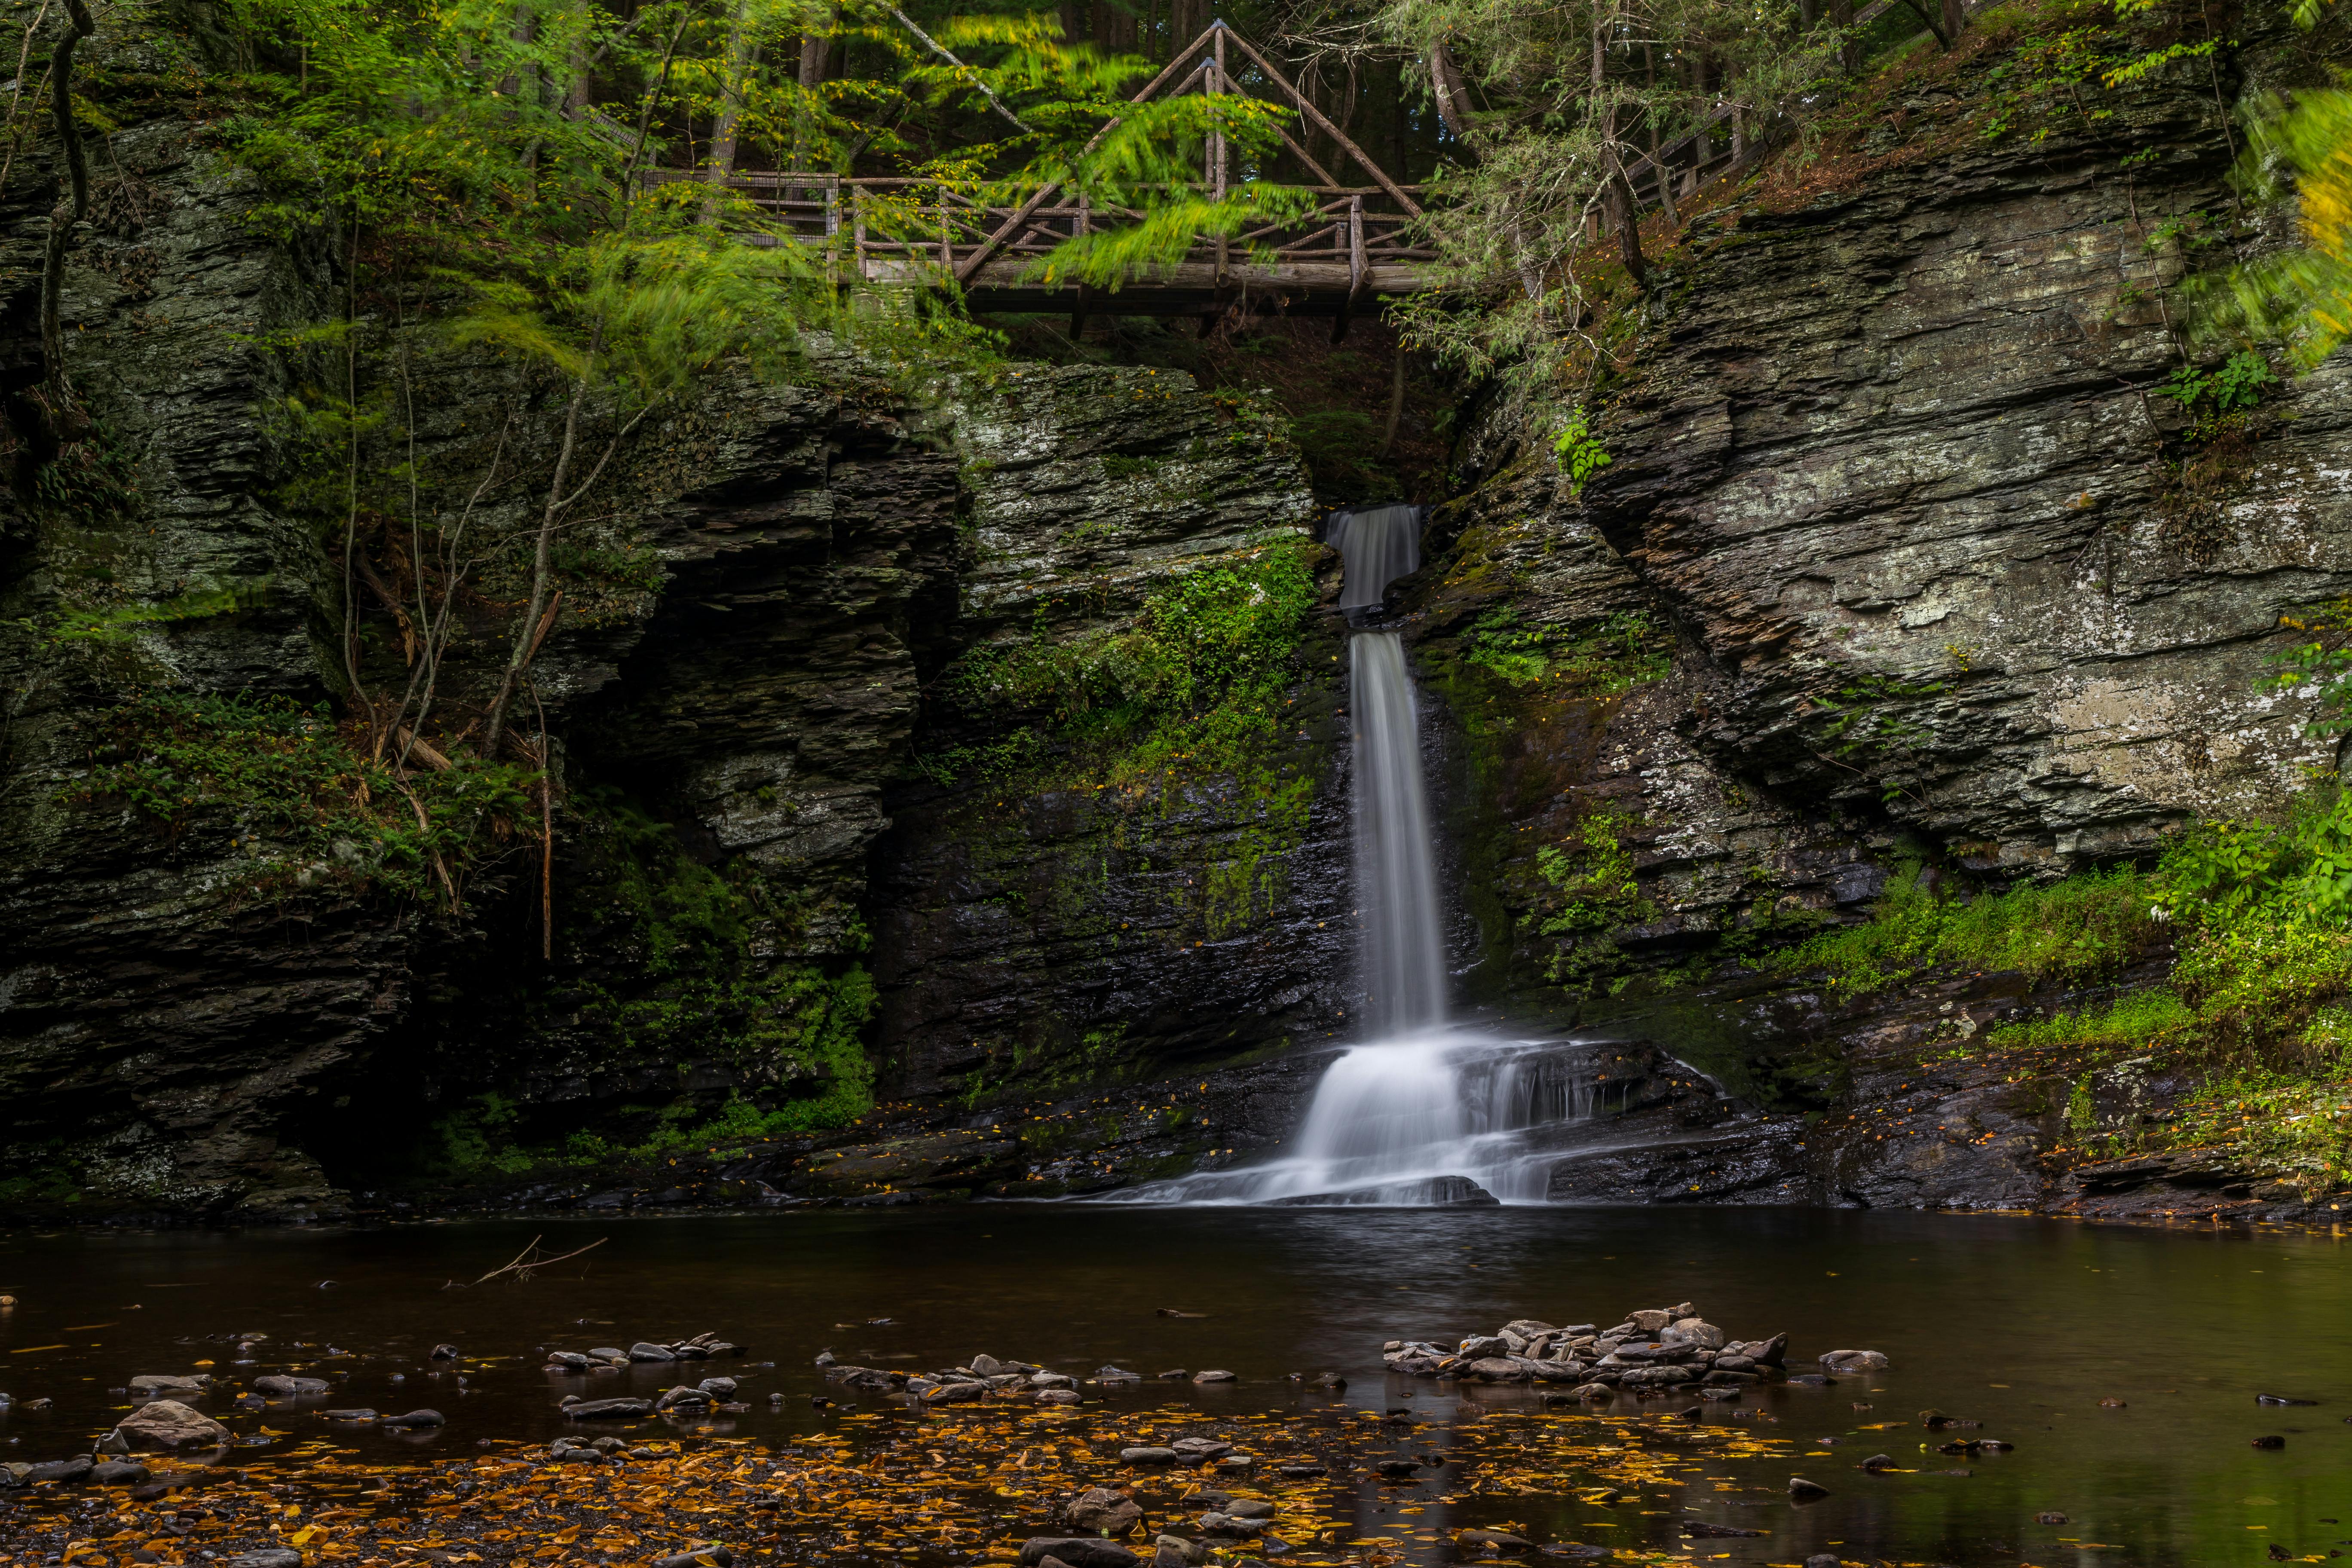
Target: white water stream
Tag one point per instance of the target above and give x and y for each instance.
(1421, 1110)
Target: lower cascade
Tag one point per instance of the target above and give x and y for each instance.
(1423, 1112)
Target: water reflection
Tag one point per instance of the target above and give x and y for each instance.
(2023, 1324)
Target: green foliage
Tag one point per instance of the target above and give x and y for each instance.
(1198, 677)
(1578, 451)
(2219, 871)
(116, 624)
(307, 807)
(1870, 720)
(2322, 659)
(2293, 1124)
(2300, 297)
(2075, 931)
(705, 987)
(1621, 651)
(1593, 895)
(2235, 384)
(2131, 1022)
(1498, 644)
(90, 480)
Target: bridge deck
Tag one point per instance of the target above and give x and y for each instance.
(918, 233)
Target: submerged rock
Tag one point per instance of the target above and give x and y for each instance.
(1432, 1191)
(168, 1424)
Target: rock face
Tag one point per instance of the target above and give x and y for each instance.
(1894, 550)
(767, 884)
(1890, 472)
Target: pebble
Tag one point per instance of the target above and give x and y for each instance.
(1803, 1490)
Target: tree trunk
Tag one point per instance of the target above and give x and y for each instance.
(735, 71)
(1453, 100)
(1842, 18)
(65, 419)
(1956, 17)
(1658, 169)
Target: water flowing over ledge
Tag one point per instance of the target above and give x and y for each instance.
(1423, 1114)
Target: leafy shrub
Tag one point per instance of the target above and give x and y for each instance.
(1199, 674)
(2076, 931)
(313, 807)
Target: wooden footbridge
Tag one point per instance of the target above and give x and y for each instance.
(1336, 262)
(1356, 246)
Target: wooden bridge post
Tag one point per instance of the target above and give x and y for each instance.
(1359, 272)
(1217, 83)
(1081, 225)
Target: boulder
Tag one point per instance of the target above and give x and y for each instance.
(1854, 1361)
(1103, 1512)
(641, 1351)
(1212, 1376)
(1498, 1369)
(1650, 1323)
(1248, 1508)
(268, 1557)
(119, 1473)
(359, 1413)
(986, 1366)
(277, 1387)
(1146, 1456)
(954, 1394)
(1695, 1331)
(608, 1410)
(1803, 1490)
(168, 1424)
(1229, 1524)
(414, 1420)
(1058, 1396)
(1478, 1345)
(1077, 1551)
(78, 1469)
(158, 1383)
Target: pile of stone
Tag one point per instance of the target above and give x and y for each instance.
(607, 1358)
(1659, 1348)
(985, 1377)
(711, 1394)
(599, 1451)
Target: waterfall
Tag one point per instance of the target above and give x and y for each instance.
(1379, 545)
(1396, 891)
(1420, 1113)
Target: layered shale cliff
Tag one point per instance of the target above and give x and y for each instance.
(859, 890)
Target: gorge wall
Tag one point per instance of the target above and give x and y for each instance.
(1894, 564)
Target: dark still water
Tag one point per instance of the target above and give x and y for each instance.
(2024, 1325)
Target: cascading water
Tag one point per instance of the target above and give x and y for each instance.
(1422, 1112)
(1396, 889)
